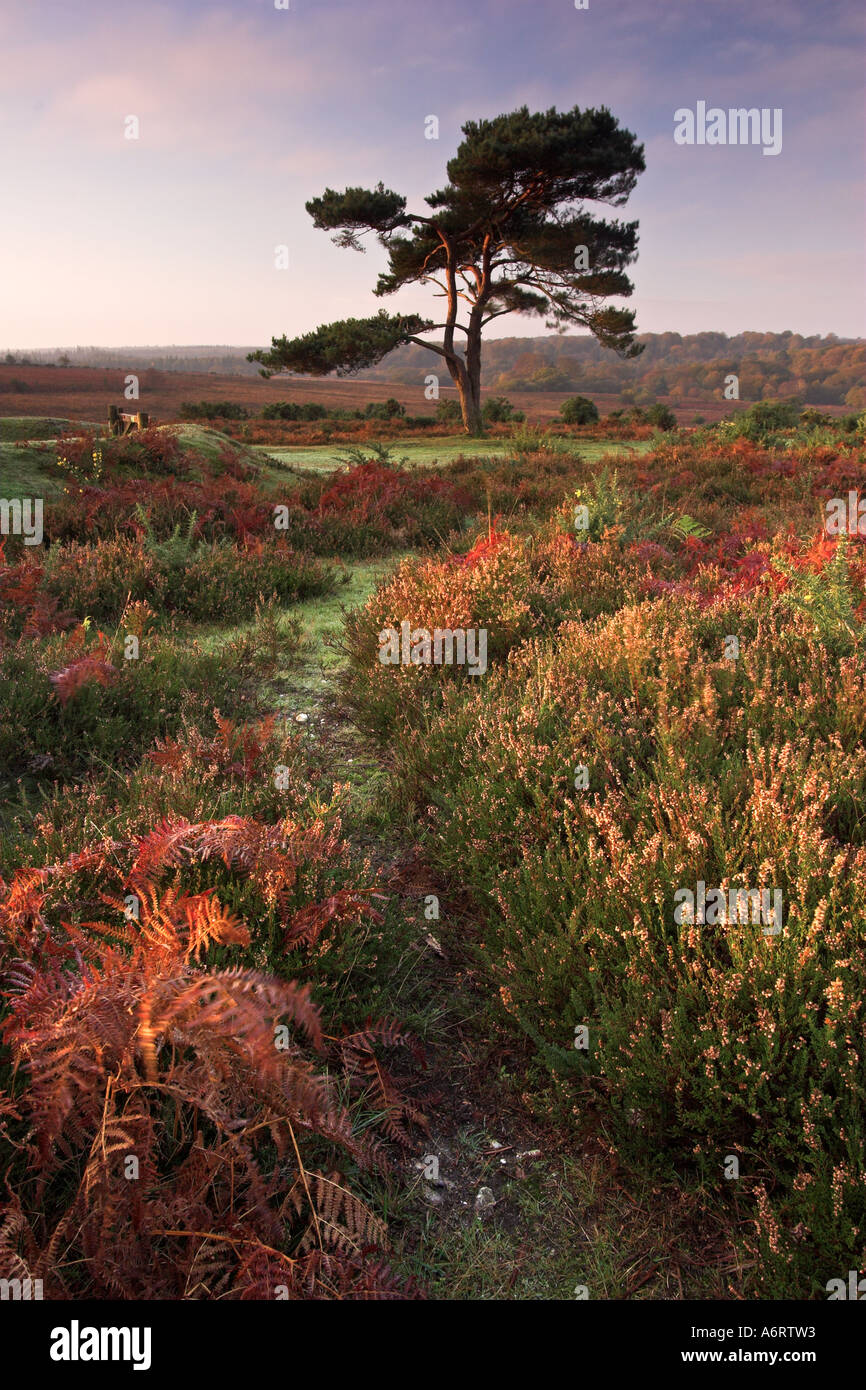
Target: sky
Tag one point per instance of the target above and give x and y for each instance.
(246, 111)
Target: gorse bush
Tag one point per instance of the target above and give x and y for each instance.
(764, 421)
(391, 409)
(294, 410)
(498, 410)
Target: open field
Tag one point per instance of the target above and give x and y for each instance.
(426, 453)
(85, 393)
(28, 463)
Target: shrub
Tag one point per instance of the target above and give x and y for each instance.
(579, 410)
(505, 584)
(706, 1039)
(69, 703)
(213, 410)
(390, 409)
(661, 417)
(203, 582)
(294, 410)
(763, 420)
(498, 410)
(722, 1040)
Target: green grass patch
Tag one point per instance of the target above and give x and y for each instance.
(15, 429)
(28, 470)
(426, 453)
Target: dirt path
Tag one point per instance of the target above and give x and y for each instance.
(496, 1203)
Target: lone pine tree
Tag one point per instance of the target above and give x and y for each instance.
(509, 233)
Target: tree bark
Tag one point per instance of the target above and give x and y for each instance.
(470, 401)
(469, 391)
(466, 374)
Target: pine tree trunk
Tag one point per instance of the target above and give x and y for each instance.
(470, 384)
(470, 407)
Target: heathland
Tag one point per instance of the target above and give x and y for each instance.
(330, 977)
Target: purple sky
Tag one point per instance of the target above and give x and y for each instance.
(247, 111)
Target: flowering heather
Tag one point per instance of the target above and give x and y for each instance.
(681, 700)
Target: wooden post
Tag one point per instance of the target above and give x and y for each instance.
(141, 419)
(113, 422)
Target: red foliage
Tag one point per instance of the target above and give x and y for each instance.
(68, 681)
(371, 488)
(486, 546)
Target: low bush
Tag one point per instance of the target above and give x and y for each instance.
(203, 582)
(579, 410)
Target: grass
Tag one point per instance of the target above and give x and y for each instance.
(15, 429)
(324, 458)
(320, 621)
(27, 471)
(566, 1229)
(209, 442)
(24, 469)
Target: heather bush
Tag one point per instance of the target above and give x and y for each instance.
(677, 699)
(87, 457)
(372, 507)
(508, 585)
(69, 702)
(720, 1039)
(206, 582)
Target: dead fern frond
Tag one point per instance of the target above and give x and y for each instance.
(181, 1097)
(68, 681)
(309, 922)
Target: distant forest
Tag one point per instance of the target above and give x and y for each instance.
(824, 371)
(821, 370)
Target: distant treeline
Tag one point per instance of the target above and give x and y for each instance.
(821, 370)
